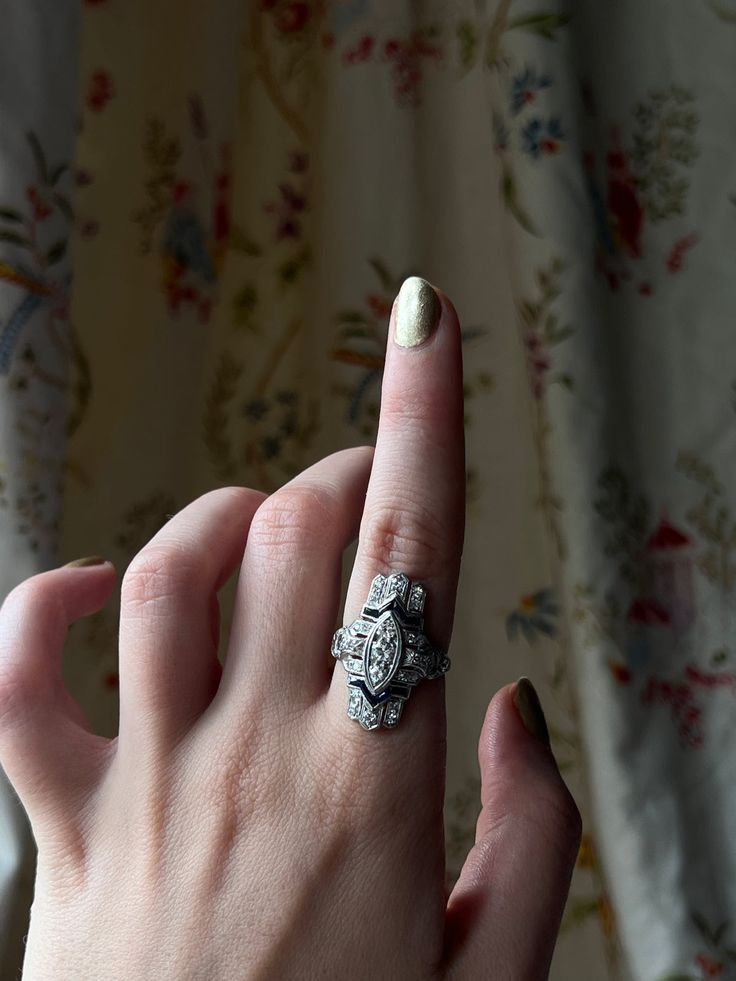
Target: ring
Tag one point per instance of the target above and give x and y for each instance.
(385, 651)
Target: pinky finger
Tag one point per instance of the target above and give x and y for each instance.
(47, 747)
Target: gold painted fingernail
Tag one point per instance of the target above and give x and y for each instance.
(529, 707)
(89, 560)
(418, 311)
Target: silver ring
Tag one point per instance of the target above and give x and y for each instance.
(385, 651)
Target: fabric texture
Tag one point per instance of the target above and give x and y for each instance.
(238, 191)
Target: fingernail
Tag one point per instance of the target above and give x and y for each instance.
(89, 560)
(529, 707)
(418, 311)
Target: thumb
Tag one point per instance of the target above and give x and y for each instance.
(504, 912)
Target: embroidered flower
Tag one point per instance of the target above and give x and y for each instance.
(539, 137)
(100, 90)
(293, 17)
(535, 615)
(360, 51)
(710, 967)
(524, 88)
(41, 208)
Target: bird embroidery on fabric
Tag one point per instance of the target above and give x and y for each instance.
(36, 292)
(625, 211)
(617, 209)
(185, 239)
(192, 254)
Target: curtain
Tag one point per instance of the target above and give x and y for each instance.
(205, 213)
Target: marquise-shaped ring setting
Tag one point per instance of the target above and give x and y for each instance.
(385, 651)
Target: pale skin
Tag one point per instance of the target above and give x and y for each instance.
(240, 825)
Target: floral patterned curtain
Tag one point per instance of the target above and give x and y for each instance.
(205, 213)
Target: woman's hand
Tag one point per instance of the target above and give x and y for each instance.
(240, 825)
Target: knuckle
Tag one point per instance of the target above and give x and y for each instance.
(292, 519)
(26, 599)
(413, 410)
(236, 494)
(157, 573)
(406, 537)
(30, 601)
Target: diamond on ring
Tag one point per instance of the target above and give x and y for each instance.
(385, 651)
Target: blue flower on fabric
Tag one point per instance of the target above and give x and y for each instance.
(524, 88)
(541, 137)
(535, 615)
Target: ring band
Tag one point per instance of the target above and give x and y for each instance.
(385, 651)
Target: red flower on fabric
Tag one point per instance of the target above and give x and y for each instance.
(100, 90)
(710, 967)
(676, 258)
(406, 56)
(360, 51)
(293, 17)
(41, 208)
(379, 305)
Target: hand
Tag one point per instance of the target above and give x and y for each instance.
(241, 826)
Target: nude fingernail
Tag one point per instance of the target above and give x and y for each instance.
(88, 560)
(529, 708)
(418, 311)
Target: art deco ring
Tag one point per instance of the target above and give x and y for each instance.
(385, 651)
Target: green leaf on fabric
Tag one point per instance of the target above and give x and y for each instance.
(38, 156)
(239, 242)
(511, 200)
(7, 235)
(540, 23)
(720, 11)
(244, 305)
(720, 932)
(58, 172)
(64, 206)
(56, 252)
(351, 317)
(579, 909)
(356, 331)
(702, 926)
(10, 214)
(385, 277)
(529, 312)
(467, 37)
(290, 269)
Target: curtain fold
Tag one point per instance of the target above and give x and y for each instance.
(40, 55)
(239, 189)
